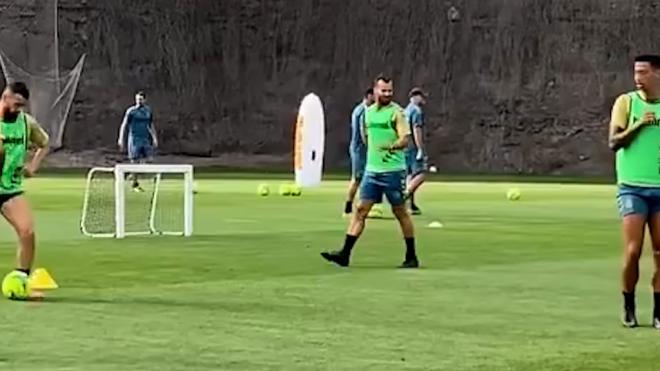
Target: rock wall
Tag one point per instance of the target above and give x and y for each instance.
(522, 86)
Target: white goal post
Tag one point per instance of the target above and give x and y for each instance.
(161, 205)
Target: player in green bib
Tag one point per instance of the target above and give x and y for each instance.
(635, 137)
(387, 134)
(19, 132)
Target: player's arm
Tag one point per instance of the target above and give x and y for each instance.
(418, 134)
(152, 131)
(39, 139)
(621, 134)
(362, 126)
(122, 128)
(403, 132)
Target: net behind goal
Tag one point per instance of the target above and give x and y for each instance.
(163, 204)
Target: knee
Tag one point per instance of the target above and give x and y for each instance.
(633, 252)
(25, 231)
(400, 212)
(361, 211)
(656, 255)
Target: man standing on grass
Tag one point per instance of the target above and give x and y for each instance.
(357, 148)
(387, 134)
(18, 133)
(416, 159)
(635, 137)
(142, 140)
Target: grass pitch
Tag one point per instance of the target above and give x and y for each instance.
(526, 285)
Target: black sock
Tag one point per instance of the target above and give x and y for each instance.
(410, 248)
(348, 208)
(349, 242)
(656, 307)
(629, 300)
(26, 271)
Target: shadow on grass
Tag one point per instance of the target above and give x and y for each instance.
(193, 303)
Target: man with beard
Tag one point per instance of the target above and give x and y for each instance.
(18, 132)
(387, 135)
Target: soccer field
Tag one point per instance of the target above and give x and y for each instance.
(527, 285)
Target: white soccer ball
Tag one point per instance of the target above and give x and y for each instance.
(433, 169)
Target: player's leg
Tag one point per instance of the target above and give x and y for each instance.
(395, 196)
(654, 229)
(142, 155)
(133, 152)
(357, 171)
(417, 178)
(634, 210)
(371, 191)
(18, 214)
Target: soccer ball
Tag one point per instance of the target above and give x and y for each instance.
(15, 286)
(285, 189)
(295, 190)
(513, 194)
(263, 190)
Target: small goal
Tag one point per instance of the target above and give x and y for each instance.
(161, 205)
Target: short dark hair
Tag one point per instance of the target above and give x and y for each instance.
(141, 93)
(382, 78)
(652, 59)
(19, 88)
(416, 91)
(368, 92)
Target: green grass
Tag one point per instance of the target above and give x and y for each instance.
(528, 285)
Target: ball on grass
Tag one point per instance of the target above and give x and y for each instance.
(285, 189)
(513, 194)
(295, 190)
(15, 286)
(263, 189)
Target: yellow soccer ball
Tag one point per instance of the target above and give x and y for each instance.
(15, 286)
(513, 194)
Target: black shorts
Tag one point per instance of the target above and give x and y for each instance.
(4, 197)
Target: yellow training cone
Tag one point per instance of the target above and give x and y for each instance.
(40, 279)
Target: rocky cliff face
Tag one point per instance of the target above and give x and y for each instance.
(516, 85)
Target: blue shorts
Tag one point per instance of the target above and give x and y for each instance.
(391, 184)
(413, 165)
(139, 150)
(358, 163)
(638, 200)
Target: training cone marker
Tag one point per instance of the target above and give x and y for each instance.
(435, 225)
(40, 279)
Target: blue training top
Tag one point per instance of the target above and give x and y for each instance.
(357, 122)
(138, 122)
(415, 118)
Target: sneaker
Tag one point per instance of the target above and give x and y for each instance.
(410, 263)
(629, 319)
(336, 257)
(656, 323)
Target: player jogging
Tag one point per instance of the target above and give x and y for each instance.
(19, 132)
(357, 148)
(142, 140)
(416, 159)
(635, 137)
(387, 135)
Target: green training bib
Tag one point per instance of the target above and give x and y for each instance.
(381, 131)
(15, 145)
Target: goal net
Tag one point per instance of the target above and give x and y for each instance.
(34, 59)
(161, 205)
